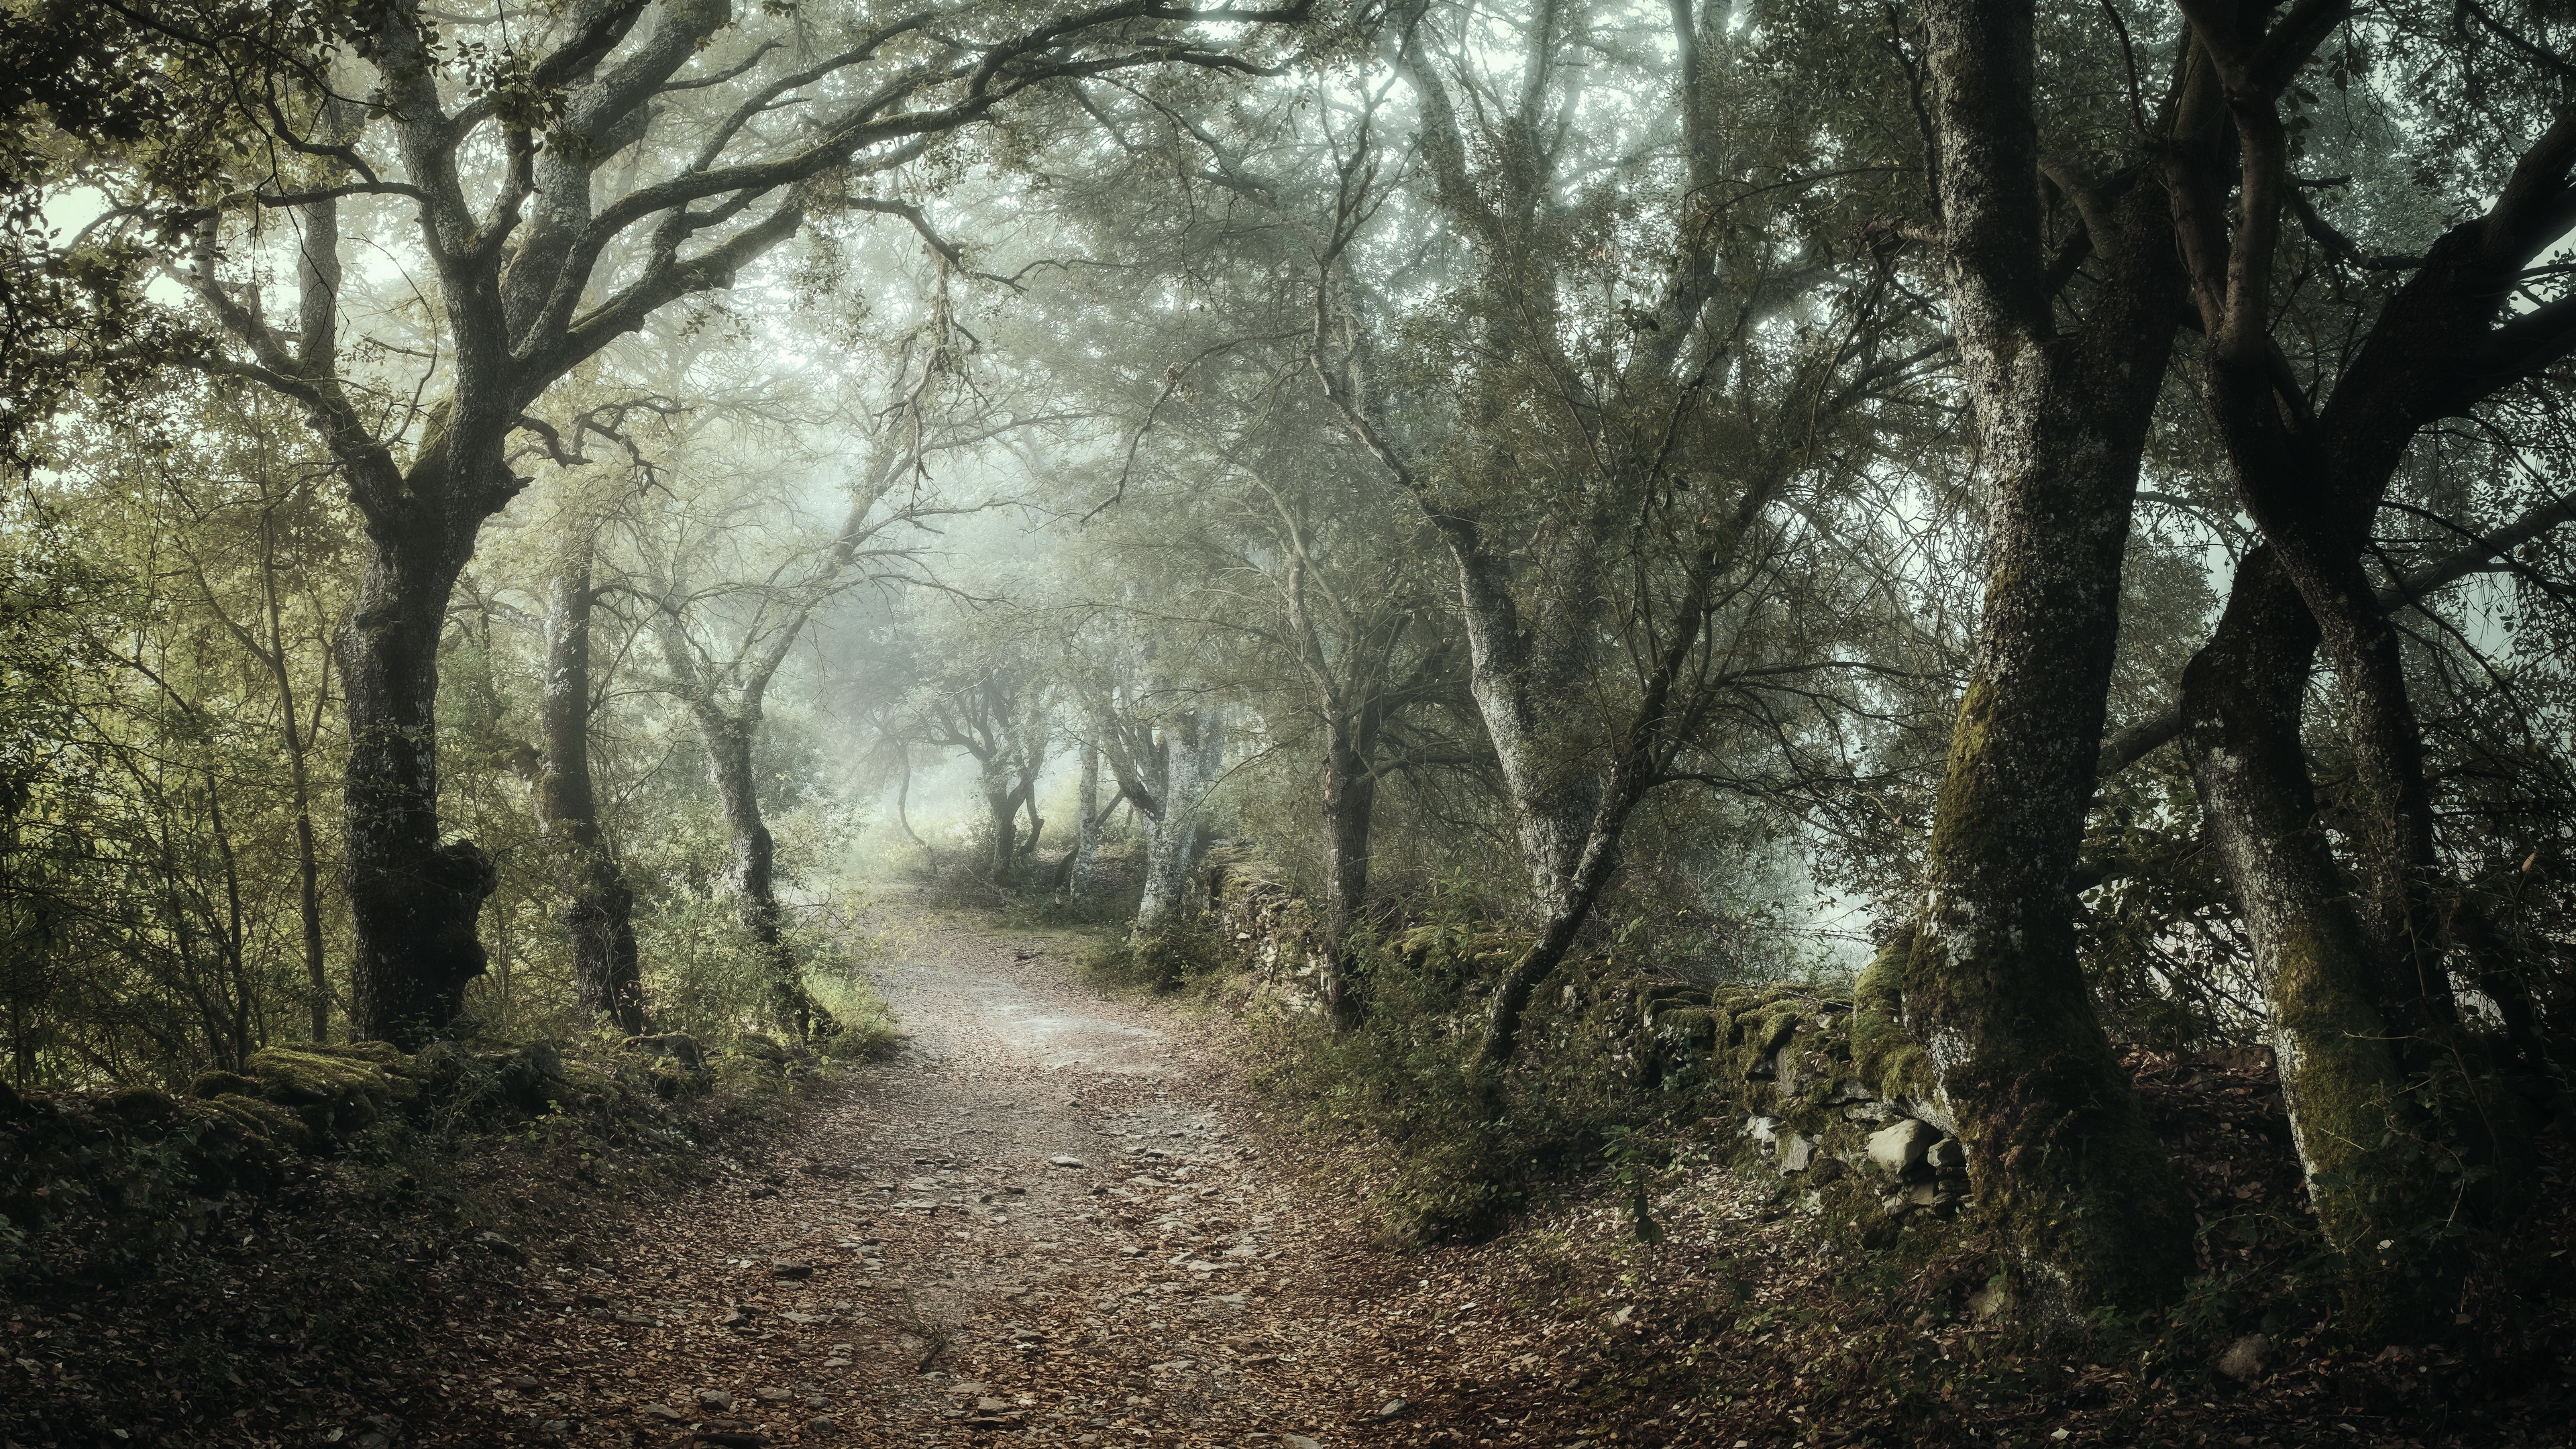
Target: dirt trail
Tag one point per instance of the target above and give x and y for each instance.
(1042, 1221)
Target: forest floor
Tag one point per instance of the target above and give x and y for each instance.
(1059, 1217)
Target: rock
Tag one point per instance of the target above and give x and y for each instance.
(716, 1399)
(1947, 1155)
(791, 1268)
(1072, 1162)
(2244, 1359)
(774, 1396)
(1392, 1408)
(1899, 1149)
(658, 1411)
(1796, 1152)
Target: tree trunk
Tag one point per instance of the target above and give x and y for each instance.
(2059, 1154)
(1171, 833)
(1086, 825)
(1004, 807)
(2359, 1134)
(299, 749)
(308, 865)
(1350, 797)
(598, 907)
(754, 877)
(413, 901)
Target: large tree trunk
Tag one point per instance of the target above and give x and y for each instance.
(598, 907)
(2359, 1134)
(413, 901)
(1350, 798)
(2060, 1156)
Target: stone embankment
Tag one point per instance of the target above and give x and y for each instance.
(1823, 1095)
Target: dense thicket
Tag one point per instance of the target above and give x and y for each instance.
(2063, 507)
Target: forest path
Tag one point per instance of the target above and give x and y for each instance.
(1042, 1221)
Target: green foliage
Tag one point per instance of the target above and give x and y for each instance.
(1161, 960)
(1398, 1080)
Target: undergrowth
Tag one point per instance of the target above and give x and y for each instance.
(1398, 1080)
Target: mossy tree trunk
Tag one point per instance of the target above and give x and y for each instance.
(2060, 1156)
(2361, 1135)
(2313, 454)
(598, 907)
(754, 876)
(413, 899)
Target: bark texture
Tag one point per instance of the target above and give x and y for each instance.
(2353, 1114)
(413, 899)
(1181, 768)
(598, 906)
(1086, 824)
(2059, 1154)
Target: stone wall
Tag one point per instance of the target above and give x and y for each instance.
(1779, 1058)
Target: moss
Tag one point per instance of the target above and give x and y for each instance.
(1885, 1059)
(140, 1106)
(336, 1094)
(217, 1084)
(2373, 1172)
(1687, 1026)
(270, 1128)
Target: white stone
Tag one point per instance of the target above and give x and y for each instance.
(1899, 1148)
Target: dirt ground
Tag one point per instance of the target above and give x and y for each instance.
(1044, 1220)
(1056, 1217)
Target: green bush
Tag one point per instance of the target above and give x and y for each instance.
(1164, 960)
(1399, 1080)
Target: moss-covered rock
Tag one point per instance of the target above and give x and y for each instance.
(336, 1093)
(270, 1128)
(217, 1084)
